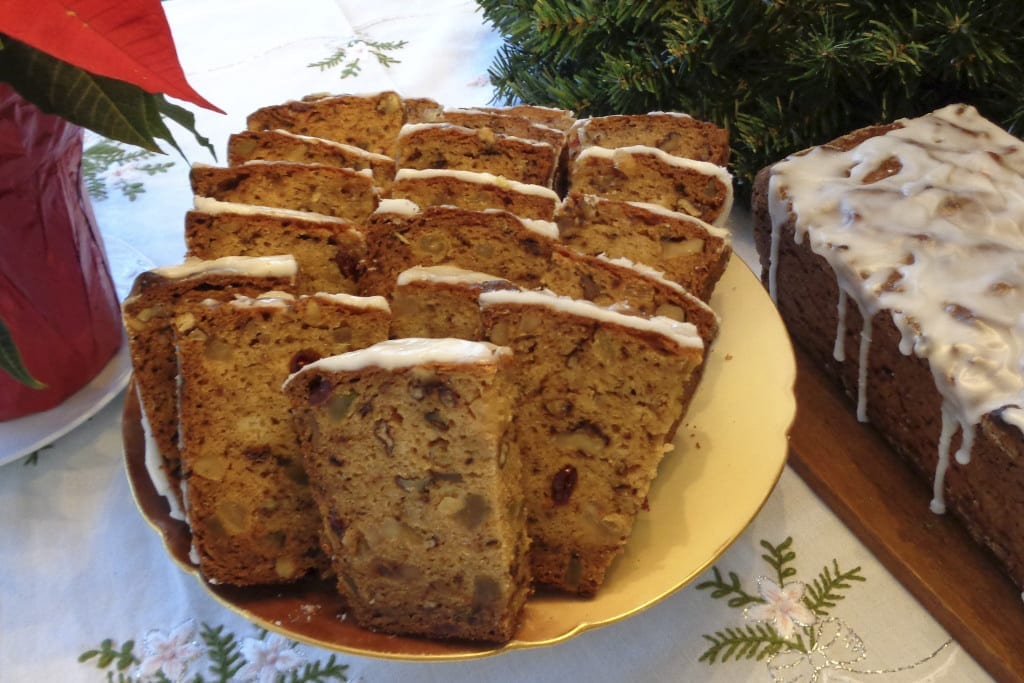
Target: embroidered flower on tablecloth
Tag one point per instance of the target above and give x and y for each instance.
(790, 626)
(266, 658)
(170, 653)
(782, 606)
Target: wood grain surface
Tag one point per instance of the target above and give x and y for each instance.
(885, 503)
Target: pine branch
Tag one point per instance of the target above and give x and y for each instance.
(779, 75)
(721, 588)
(823, 593)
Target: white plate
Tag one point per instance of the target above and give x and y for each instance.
(28, 434)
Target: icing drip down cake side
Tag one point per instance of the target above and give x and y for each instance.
(895, 255)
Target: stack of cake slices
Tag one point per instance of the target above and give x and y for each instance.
(435, 354)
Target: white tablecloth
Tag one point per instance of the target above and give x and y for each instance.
(80, 566)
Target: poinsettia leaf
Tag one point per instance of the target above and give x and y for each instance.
(186, 119)
(114, 109)
(10, 360)
(125, 41)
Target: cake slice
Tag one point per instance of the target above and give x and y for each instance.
(647, 174)
(554, 117)
(677, 134)
(440, 301)
(474, 190)
(328, 190)
(148, 313)
(505, 124)
(422, 110)
(370, 122)
(685, 248)
(627, 286)
(444, 145)
(250, 509)
(328, 250)
(280, 145)
(407, 444)
(401, 235)
(602, 395)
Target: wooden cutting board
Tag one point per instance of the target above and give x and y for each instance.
(885, 503)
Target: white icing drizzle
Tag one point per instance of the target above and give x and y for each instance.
(444, 273)
(350, 149)
(839, 348)
(405, 207)
(271, 266)
(413, 128)
(926, 222)
(713, 230)
(395, 354)
(155, 468)
(862, 369)
(402, 207)
(683, 334)
(215, 207)
(478, 177)
(275, 162)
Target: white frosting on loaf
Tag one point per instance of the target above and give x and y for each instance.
(272, 162)
(402, 207)
(215, 207)
(925, 222)
(660, 210)
(414, 128)
(405, 207)
(259, 266)
(350, 149)
(478, 177)
(684, 334)
(446, 274)
(396, 354)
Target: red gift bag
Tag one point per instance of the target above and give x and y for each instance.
(56, 294)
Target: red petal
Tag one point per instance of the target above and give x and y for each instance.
(128, 40)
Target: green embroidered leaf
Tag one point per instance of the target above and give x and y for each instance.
(720, 588)
(112, 108)
(315, 672)
(779, 557)
(98, 158)
(11, 362)
(756, 641)
(107, 654)
(823, 593)
(350, 64)
(225, 658)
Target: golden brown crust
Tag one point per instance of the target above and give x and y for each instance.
(468, 194)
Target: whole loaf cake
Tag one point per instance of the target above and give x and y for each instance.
(895, 255)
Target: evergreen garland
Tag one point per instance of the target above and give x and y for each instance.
(780, 75)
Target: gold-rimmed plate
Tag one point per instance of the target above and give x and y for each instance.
(730, 451)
